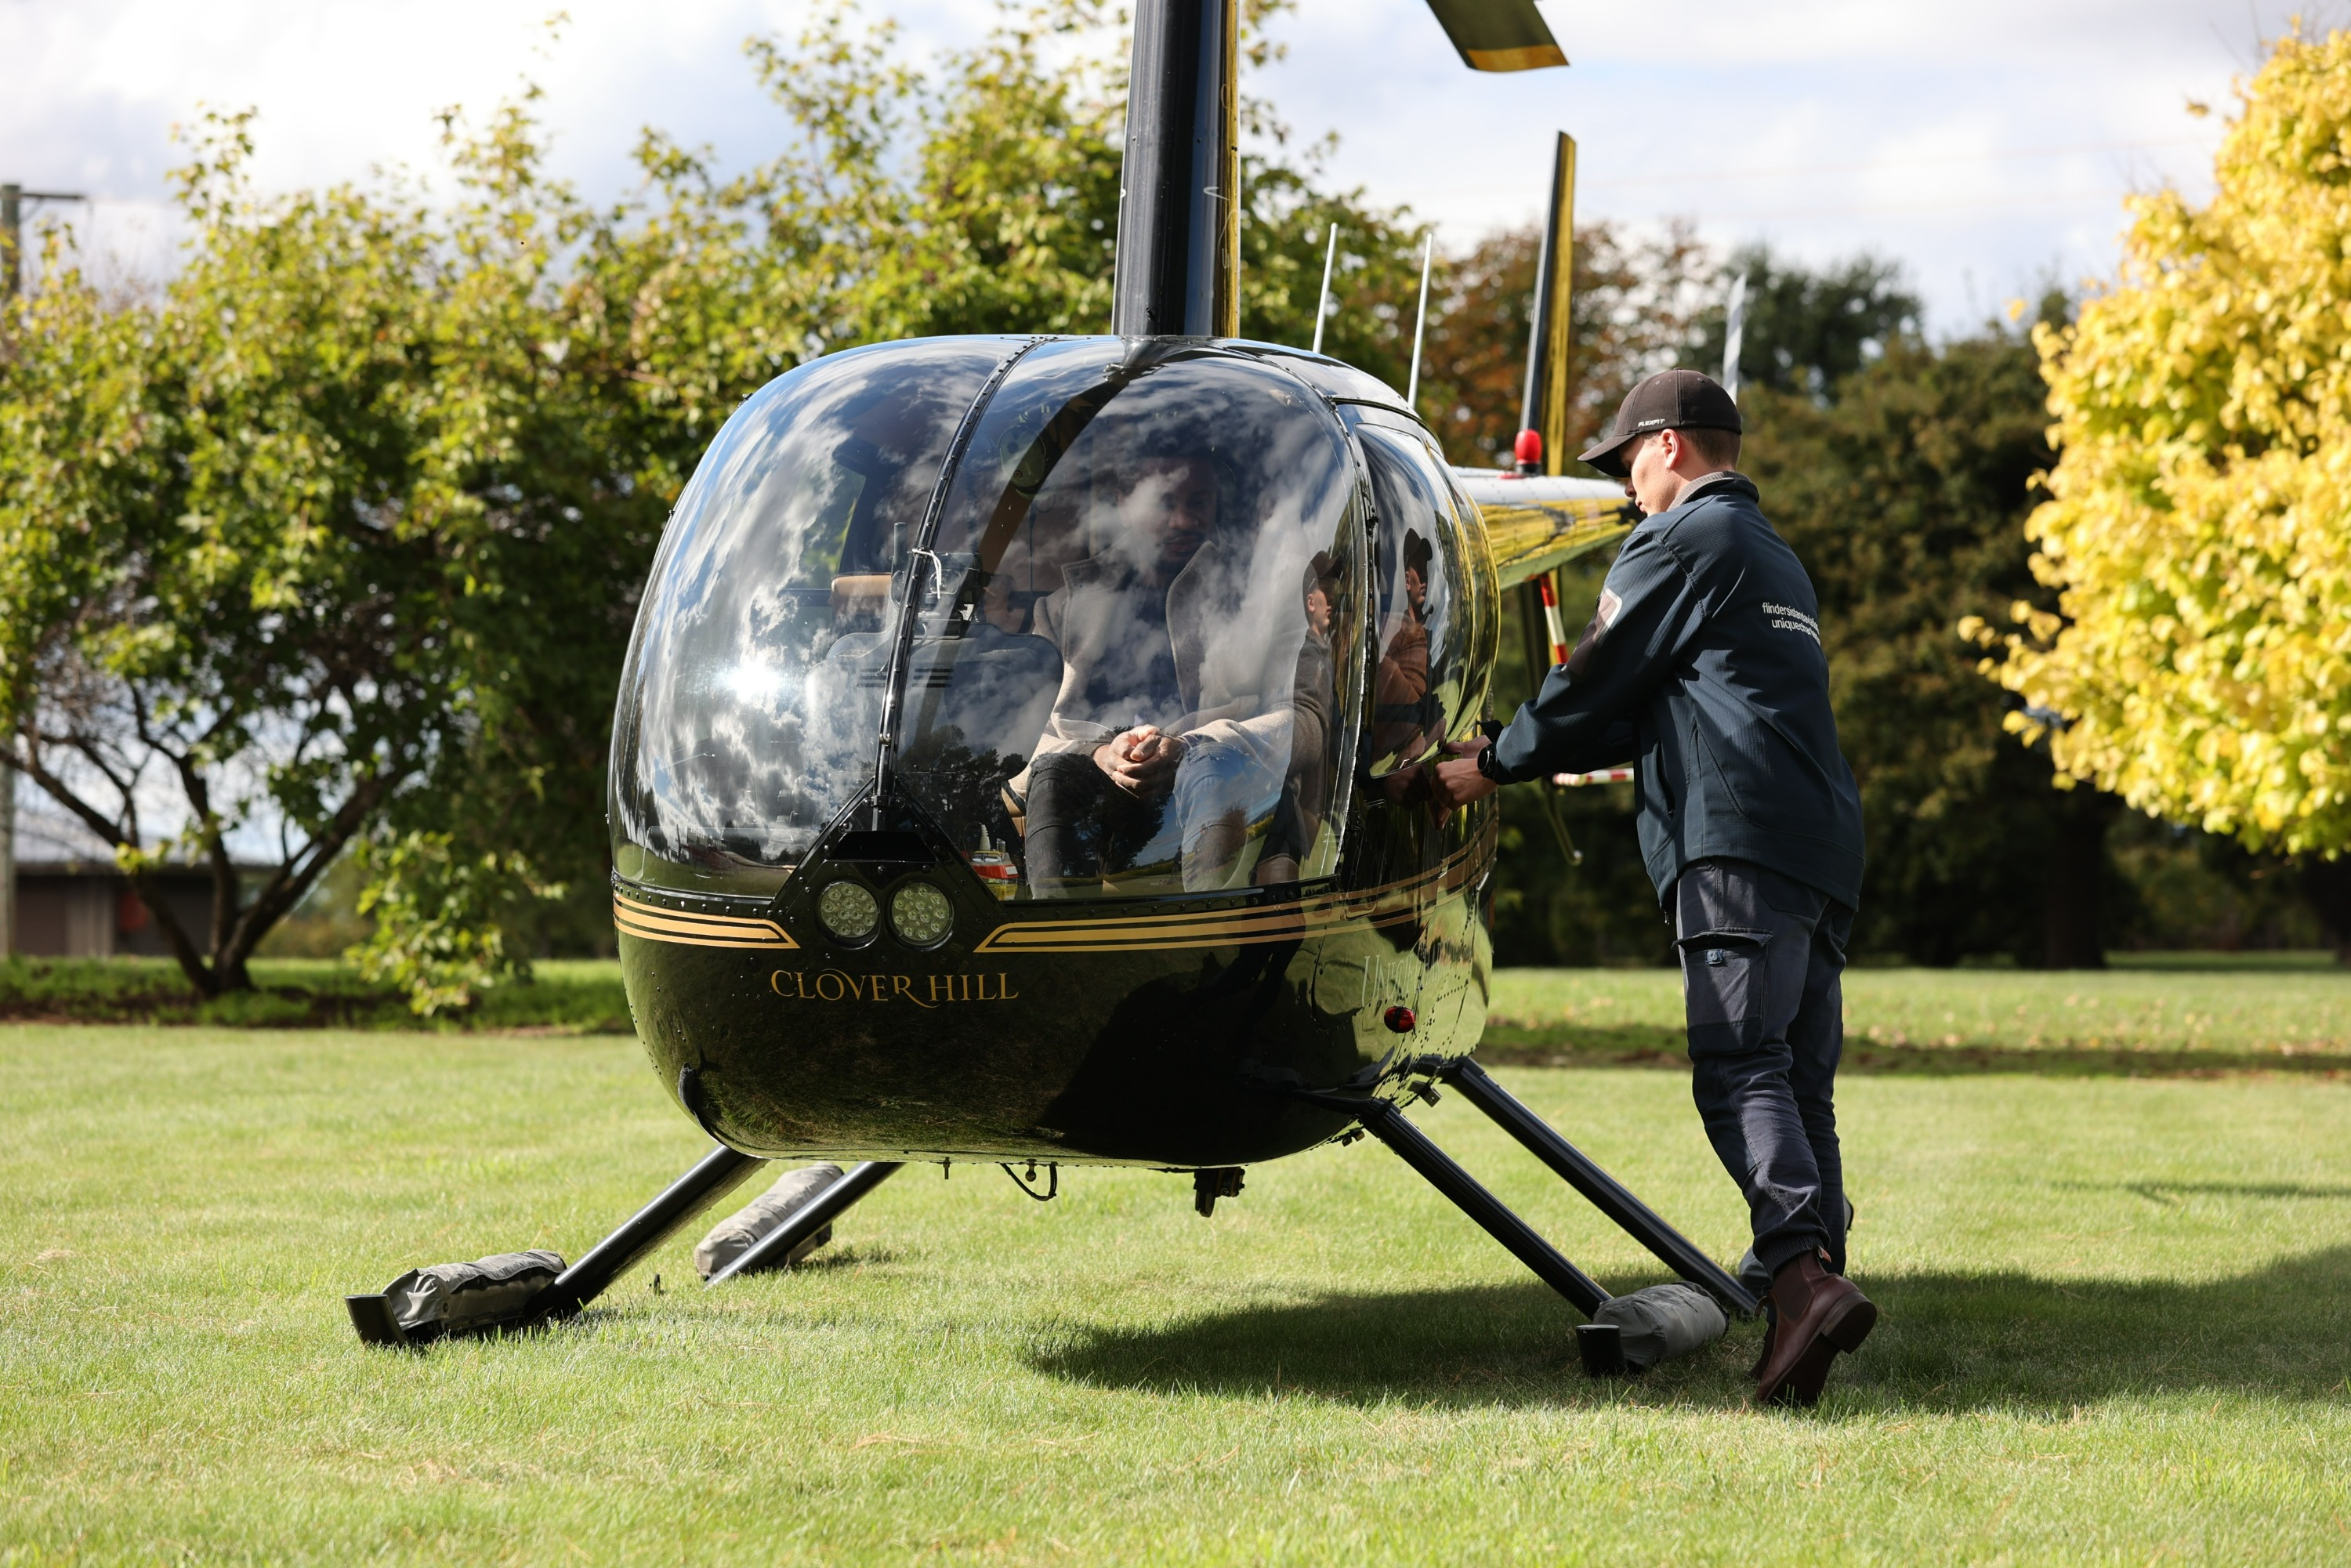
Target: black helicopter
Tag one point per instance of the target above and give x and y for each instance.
(1015, 760)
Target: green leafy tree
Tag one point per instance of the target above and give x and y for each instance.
(2197, 660)
(315, 559)
(336, 543)
(1905, 498)
(1805, 330)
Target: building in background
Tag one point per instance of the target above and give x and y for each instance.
(73, 903)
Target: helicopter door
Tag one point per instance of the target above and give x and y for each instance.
(1424, 685)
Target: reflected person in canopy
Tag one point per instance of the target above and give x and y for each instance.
(1139, 725)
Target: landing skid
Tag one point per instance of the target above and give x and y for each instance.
(723, 1169)
(716, 1174)
(1599, 1343)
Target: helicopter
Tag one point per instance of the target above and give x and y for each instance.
(1018, 758)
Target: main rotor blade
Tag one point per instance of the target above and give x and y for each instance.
(1498, 35)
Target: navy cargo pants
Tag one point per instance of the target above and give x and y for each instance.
(1762, 967)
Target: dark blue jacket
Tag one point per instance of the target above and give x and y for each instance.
(1704, 663)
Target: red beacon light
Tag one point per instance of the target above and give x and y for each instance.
(1527, 449)
(995, 867)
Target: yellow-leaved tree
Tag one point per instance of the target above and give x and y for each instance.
(2198, 521)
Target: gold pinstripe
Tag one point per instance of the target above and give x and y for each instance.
(657, 924)
(1389, 904)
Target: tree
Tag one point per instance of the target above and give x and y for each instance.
(1804, 331)
(338, 540)
(310, 542)
(2198, 529)
(1903, 495)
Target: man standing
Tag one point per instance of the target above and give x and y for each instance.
(1704, 661)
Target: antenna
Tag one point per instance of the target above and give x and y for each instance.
(1420, 322)
(1322, 303)
(1734, 335)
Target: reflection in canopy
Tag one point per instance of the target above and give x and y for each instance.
(1421, 678)
(753, 692)
(1131, 678)
(1133, 655)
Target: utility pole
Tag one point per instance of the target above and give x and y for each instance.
(12, 200)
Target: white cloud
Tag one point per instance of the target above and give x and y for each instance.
(1981, 145)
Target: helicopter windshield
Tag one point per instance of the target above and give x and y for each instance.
(1137, 674)
(756, 677)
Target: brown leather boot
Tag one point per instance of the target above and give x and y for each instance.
(1819, 1313)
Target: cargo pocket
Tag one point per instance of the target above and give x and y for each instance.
(1726, 990)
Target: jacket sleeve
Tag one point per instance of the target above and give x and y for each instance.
(1582, 718)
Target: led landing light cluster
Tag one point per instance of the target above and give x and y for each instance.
(849, 910)
(920, 914)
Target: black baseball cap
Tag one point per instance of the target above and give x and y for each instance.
(1670, 399)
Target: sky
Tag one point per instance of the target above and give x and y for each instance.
(1985, 147)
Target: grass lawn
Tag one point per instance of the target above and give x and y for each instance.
(2166, 1014)
(2151, 1014)
(2118, 1329)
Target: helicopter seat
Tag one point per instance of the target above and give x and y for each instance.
(859, 601)
(1196, 675)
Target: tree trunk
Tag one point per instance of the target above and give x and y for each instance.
(2073, 935)
(2327, 885)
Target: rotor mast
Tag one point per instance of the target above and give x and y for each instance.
(1179, 241)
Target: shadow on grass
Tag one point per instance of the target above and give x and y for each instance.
(1944, 1343)
(1651, 1045)
(2171, 1192)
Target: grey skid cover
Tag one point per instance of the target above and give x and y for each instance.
(762, 1216)
(1662, 1321)
(452, 1298)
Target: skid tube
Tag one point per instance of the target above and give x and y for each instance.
(771, 1249)
(717, 1173)
(1597, 1341)
(1606, 1194)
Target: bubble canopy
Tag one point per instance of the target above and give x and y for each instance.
(1102, 595)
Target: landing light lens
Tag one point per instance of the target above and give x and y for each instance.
(921, 915)
(849, 910)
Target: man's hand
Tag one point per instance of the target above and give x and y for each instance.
(1457, 782)
(1142, 761)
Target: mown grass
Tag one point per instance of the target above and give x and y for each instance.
(2118, 1329)
(2161, 1014)
(2174, 1017)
